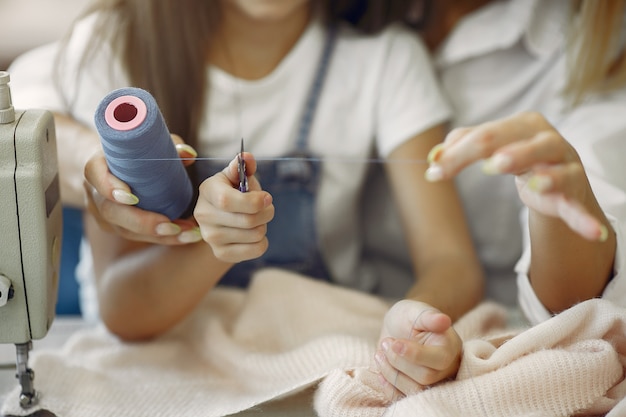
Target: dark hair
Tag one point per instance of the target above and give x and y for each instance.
(163, 46)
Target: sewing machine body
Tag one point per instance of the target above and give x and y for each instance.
(30, 230)
(30, 225)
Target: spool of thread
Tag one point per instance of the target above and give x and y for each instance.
(139, 151)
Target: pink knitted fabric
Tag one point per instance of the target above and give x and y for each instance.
(572, 364)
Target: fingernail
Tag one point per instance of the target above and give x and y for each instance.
(385, 345)
(167, 229)
(399, 348)
(604, 233)
(183, 147)
(190, 236)
(497, 164)
(382, 380)
(379, 357)
(434, 173)
(124, 197)
(539, 183)
(435, 153)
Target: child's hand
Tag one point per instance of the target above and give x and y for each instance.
(234, 223)
(417, 347)
(549, 173)
(112, 204)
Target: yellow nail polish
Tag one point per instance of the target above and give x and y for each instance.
(539, 183)
(124, 197)
(435, 153)
(183, 147)
(604, 233)
(488, 167)
(167, 229)
(497, 164)
(190, 236)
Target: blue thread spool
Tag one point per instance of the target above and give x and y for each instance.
(139, 151)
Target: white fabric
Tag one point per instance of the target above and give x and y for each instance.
(379, 92)
(287, 332)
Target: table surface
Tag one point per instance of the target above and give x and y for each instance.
(297, 405)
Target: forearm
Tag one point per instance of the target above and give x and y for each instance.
(76, 143)
(453, 285)
(447, 270)
(146, 291)
(565, 268)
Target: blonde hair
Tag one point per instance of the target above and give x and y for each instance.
(595, 53)
(597, 62)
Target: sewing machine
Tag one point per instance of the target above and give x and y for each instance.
(30, 230)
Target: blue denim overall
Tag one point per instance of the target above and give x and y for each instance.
(293, 182)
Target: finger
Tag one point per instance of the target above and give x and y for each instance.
(97, 174)
(177, 139)
(546, 148)
(185, 152)
(581, 221)
(423, 362)
(222, 235)
(232, 171)
(238, 252)
(565, 179)
(394, 382)
(456, 134)
(136, 224)
(254, 184)
(452, 137)
(224, 228)
(483, 140)
(389, 392)
(220, 193)
(404, 316)
(91, 196)
(561, 184)
(430, 320)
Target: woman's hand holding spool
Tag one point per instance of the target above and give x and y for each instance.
(112, 204)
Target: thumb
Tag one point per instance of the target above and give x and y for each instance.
(232, 170)
(432, 320)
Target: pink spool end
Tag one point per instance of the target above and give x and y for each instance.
(125, 113)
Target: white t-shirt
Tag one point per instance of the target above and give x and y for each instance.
(380, 91)
(508, 57)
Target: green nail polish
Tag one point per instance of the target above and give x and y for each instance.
(124, 197)
(539, 183)
(190, 236)
(604, 233)
(167, 229)
(435, 153)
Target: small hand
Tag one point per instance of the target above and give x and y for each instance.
(112, 204)
(549, 174)
(234, 223)
(418, 347)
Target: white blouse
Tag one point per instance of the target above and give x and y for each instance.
(509, 57)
